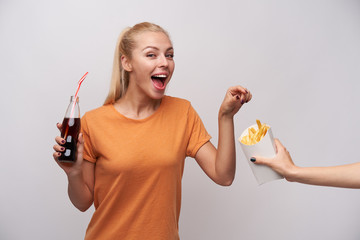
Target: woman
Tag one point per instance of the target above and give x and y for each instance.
(347, 176)
(131, 151)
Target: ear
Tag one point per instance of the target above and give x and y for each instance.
(125, 62)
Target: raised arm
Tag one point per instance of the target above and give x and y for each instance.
(346, 176)
(219, 164)
(80, 174)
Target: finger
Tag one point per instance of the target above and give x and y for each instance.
(237, 90)
(56, 155)
(58, 148)
(234, 95)
(261, 160)
(242, 98)
(59, 126)
(279, 146)
(60, 140)
(80, 147)
(277, 142)
(241, 94)
(248, 97)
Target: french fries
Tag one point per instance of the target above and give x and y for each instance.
(254, 136)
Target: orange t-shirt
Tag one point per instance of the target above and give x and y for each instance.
(139, 167)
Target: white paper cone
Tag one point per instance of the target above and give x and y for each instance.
(265, 148)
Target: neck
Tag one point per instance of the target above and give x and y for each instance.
(137, 107)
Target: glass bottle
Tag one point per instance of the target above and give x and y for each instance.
(70, 131)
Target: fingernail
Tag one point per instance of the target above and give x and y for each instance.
(62, 141)
(62, 149)
(242, 101)
(253, 159)
(59, 154)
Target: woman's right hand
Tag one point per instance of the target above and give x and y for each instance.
(69, 168)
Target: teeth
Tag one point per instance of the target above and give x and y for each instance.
(160, 76)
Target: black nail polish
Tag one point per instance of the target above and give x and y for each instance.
(63, 141)
(62, 149)
(253, 159)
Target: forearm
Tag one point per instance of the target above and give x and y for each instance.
(79, 193)
(219, 164)
(225, 162)
(347, 176)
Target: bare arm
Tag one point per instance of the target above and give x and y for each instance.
(219, 164)
(80, 176)
(81, 187)
(346, 176)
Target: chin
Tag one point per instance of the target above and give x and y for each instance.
(157, 96)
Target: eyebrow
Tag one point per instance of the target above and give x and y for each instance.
(156, 48)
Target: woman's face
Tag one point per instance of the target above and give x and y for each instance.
(151, 64)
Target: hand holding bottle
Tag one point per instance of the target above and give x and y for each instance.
(68, 167)
(70, 130)
(69, 151)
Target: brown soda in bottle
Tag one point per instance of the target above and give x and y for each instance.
(70, 131)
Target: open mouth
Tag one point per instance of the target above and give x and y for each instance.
(159, 80)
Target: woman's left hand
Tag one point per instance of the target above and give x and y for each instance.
(235, 97)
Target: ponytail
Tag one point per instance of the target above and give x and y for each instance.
(119, 78)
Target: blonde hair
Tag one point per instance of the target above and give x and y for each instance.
(124, 47)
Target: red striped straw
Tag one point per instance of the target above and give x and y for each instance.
(77, 91)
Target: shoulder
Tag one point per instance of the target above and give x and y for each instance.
(178, 107)
(97, 113)
(175, 101)
(98, 119)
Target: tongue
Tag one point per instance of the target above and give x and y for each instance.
(158, 83)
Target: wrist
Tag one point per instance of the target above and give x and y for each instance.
(74, 175)
(293, 174)
(225, 116)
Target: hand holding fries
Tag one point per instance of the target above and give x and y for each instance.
(282, 163)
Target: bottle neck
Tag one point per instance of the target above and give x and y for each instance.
(72, 99)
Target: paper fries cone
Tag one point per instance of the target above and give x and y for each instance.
(265, 148)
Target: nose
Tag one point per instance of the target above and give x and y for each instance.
(163, 61)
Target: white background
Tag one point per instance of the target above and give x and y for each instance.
(300, 59)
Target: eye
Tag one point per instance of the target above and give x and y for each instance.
(169, 55)
(150, 55)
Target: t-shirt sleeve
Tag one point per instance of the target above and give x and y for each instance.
(198, 135)
(89, 151)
